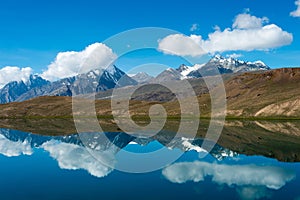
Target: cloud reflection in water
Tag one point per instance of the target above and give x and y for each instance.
(252, 181)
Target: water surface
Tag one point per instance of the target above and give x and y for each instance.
(59, 167)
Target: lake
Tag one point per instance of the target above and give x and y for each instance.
(37, 166)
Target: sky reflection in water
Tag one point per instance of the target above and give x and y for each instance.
(29, 162)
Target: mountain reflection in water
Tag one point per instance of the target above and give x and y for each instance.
(252, 177)
(70, 152)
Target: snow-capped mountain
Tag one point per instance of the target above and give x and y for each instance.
(224, 65)
(141, 77)
(235, 65)
(13, 90)
(101, 80)
(93, 81)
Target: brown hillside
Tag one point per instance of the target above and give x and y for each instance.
(249, 93)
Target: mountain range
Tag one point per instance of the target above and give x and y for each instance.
(260, 94)
(93, 81)
(102, 80)
(218, 64)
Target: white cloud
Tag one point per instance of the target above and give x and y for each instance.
(240, 175)
(248, 33)
(246, 21)
(74, 157)
(194, 27)
(179, 44)
(8, 74)
(69, 63)
(234, 55)
(296, 13)
(14, 148)
(264, 38)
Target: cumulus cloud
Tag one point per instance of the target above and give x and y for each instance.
(296, 13)
(246, 21)
(14, 148)
(267, 37)
(73, 157)
(69, 63)
(240, 175)
(247, 33)
(182, 45)
(9, 73)
(194, 27)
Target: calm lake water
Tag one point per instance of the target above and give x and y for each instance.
(60, 167)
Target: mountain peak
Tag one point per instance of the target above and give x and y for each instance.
(112, 69)
(182, 68)
(217, 57)
(141, 77)
(222, 59)
(35, 80)
(236, 65)
(223, 64)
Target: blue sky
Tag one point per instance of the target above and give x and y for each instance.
(33, 32)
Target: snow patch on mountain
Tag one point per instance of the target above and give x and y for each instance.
(189, 69)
